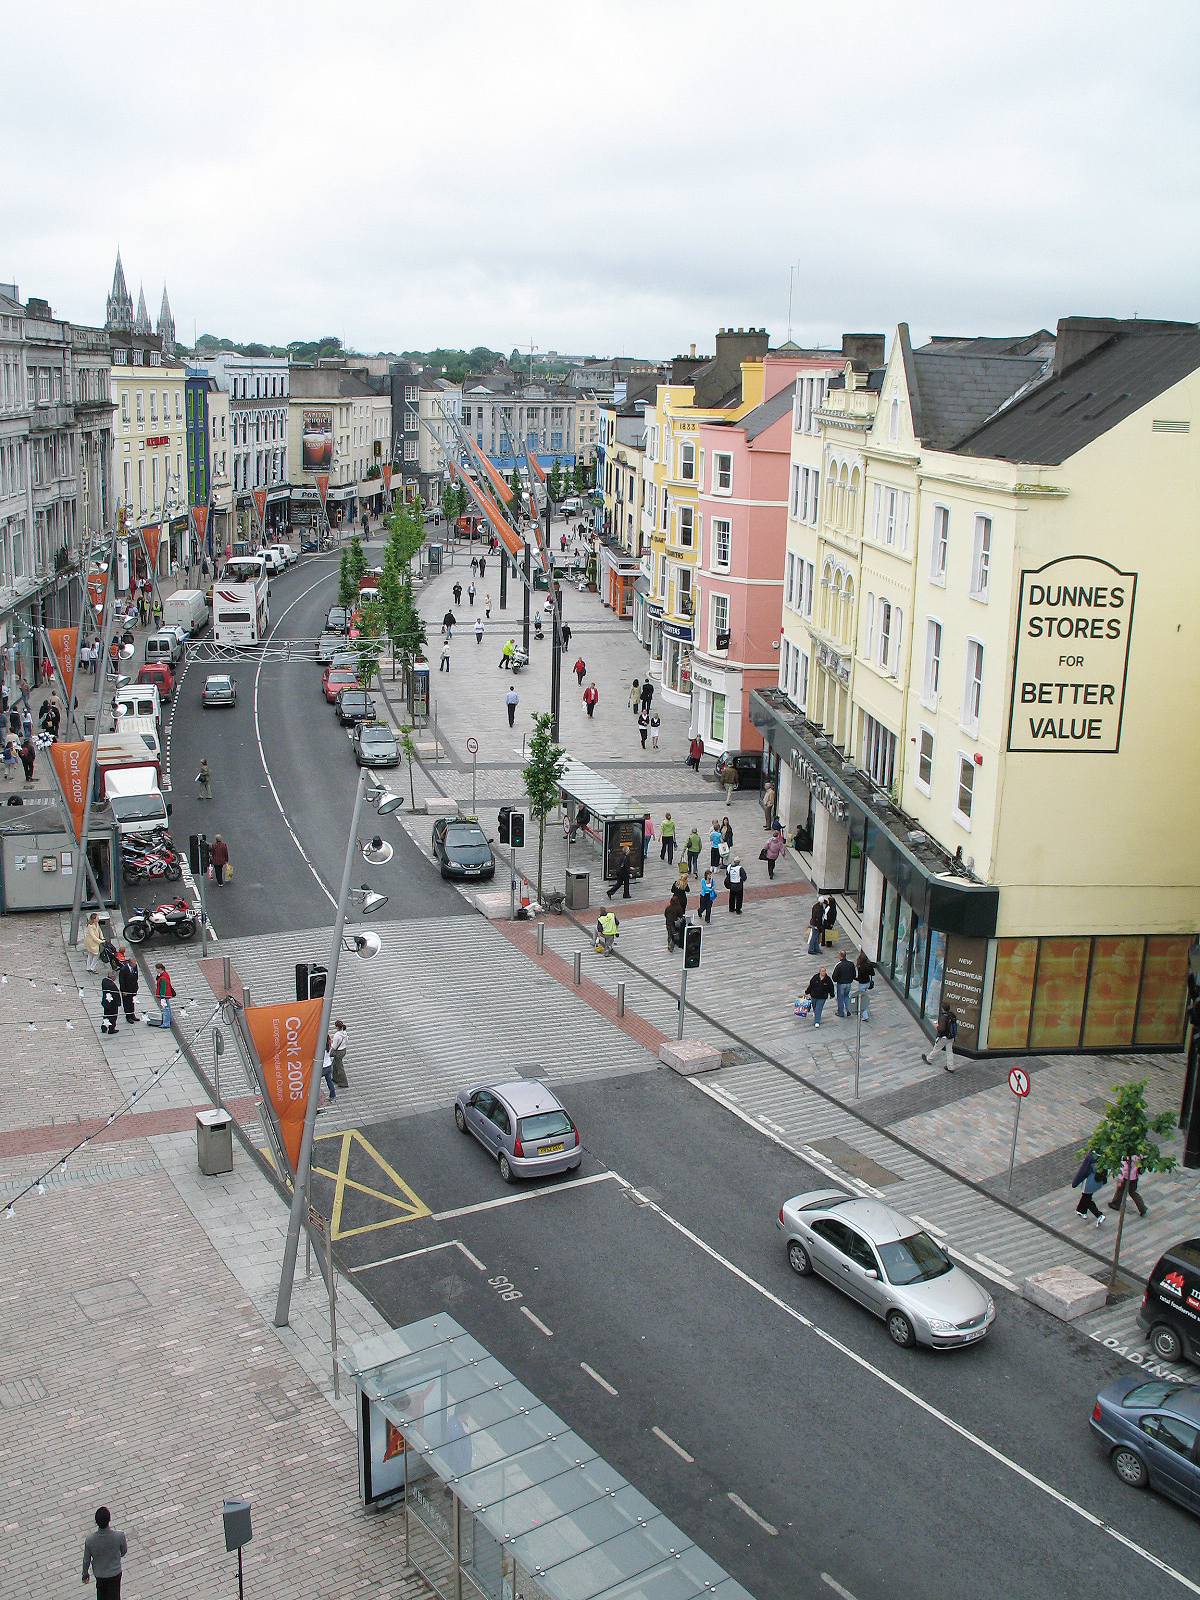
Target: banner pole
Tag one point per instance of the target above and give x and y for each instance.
(102, 673)
(304, 1165)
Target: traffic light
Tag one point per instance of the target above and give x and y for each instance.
(691, 947)
(505, 813)
(310, 981)
(199, 853)
(516, 830)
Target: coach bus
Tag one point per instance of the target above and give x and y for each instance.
(241, 602)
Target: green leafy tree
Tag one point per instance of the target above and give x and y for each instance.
(347, 583)
(389, 600)
(1123, 1135)
(543, 779)
(405, 534)
(514, 484)
(358, 561)
(409, 751)
(554, 482)
(449, 504)
(409, 637)
(372, 630)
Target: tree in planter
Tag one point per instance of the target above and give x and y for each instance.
(449, 504)
(1124, 1135)
(409, 751)
(554, 482)
(389, 600)
(409, 637)
(543, 780)
(581, 483)
(358, 561)
(372, 627)
(347, 583)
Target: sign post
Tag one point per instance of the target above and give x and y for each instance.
(857, 1039)
(1018, 1082)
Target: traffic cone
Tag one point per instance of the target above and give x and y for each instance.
(525, 892)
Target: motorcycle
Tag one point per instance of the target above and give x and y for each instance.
(140, 863)
(175, 916)
(520, 660)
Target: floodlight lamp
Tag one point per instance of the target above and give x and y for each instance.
(388, 802)
(377, 852)
(366, 945)
(372, 901)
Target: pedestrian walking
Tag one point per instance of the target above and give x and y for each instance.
(695, 752)
(666, 835)
(843, 977)
(471, 593)
(127, 982)
(487, 606)
(449, 623)
(457, 593)
(774, 849)
(445, 665)
(110, 1003)
(693, 844)
(674, 916)
(591, 698)
(735, 882)
(478, 630)
(635, 697)
(482, 566)
(565, 636)
(204, 781)
(102, 1552)
(829, 924)
(624, 872)
(580, 671)
(219, 858)
(768, 805)
(654, 730)
(708, 895)
(647, 692)
(512, 700)
(715, 841)
(338, 1043)
(1092, 1181)
(27, 758)
(10, 761)
(506, 654)
(474, 568)
(1127, 1178)
(729, 781)
(643, 723)
(864, 971)
(682, 882)
(327, 1069)
(93, 938)
(820, 989)
(647, 834)
(947, 1032)
(164, 993)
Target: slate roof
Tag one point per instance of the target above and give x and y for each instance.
(955, 385)
(1130, 364)
(765, 415)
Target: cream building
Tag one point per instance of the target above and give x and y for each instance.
(623, 430)
(149, 445)
(1018, 789)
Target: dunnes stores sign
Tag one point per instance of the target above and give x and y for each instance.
(1073, 624)
(822, 790)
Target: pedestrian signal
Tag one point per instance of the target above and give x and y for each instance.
(691, 947)
(516, 830)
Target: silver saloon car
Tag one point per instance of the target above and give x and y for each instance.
(524, 1125)
(219, 690)
(887, 1263)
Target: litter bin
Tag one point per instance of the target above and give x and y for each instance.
(578, 887)
(214, 1142)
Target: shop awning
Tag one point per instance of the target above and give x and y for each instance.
(642, 585)
(930, 879)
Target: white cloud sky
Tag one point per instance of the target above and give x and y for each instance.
(605, 178)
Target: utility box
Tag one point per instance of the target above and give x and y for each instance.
(214, 1142)
(578, 889)
(435, 560)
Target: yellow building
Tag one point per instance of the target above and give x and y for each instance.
(1013, 770)
(623, 430)
(150, 447)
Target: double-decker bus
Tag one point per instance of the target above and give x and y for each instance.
(241, 602)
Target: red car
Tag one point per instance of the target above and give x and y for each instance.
(159, 674)
(343, 678)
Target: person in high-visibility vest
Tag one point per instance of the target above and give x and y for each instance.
(607, 932)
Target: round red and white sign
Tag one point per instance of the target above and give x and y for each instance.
(472, 747)
(1018, 1082)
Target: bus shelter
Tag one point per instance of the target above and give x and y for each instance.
(616, 821)
(501, 1498)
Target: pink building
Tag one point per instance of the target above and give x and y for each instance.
(742, 513)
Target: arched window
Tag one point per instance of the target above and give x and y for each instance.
(894, 419)
(852, 507)
(843, 494)
(830, 491)
(846, 633)
(826, 585)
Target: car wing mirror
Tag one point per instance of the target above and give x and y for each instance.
(869, 1272)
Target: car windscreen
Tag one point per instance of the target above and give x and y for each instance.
(914, 1260)
(217, 685)
(467, 844)
(1151, 1394)
(547, 1125)
(377, 736)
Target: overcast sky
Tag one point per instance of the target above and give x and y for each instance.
(605, 178)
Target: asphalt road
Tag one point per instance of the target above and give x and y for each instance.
(283, 785)
(891, 1471)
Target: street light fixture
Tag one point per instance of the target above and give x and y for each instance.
(377, 852)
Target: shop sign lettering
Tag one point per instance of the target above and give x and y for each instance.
(823, 792)
(1072, 656)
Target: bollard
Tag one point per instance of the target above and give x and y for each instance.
(541, 948)
(578, 967)
(225, 974)
(620, 999)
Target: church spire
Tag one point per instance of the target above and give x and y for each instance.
(141, 323)
(166, 326)
(120, 306)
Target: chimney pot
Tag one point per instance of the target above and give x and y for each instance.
(741, 330)
(692, 352)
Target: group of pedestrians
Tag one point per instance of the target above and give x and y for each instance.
(824, 985)
(1090, 1179)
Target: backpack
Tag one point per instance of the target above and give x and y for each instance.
(952, 1027)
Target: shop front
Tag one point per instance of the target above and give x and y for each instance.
(710, 708)
(618, 573)
(654, 615)
(676, 661)
(641, 612)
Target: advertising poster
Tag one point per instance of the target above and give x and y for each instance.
(72, 764)
(625, 837)
(1058, 997)
(1112, 992)
(285, 1041)
(63, 642)
(1012, 994)
(381, 1447)
(962, 986)
(1164, 992)
(316, 441)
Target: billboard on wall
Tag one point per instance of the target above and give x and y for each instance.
(316, 441)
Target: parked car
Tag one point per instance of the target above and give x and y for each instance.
(285, 551)
(165, 645)
(746, 763)
(1151, 1433)
(328, 645)
(1170, 1311)
(354, 705)
(524, 1125)
(375, 745)
(887, 1263)
(337, 619)
(272, 560)
(219, 690)
(158, 674)
(344, 660)
(461, 849)
(571, 506)
(333, 682)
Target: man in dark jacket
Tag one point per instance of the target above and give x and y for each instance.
(623, 874)
(110, 1003)
(947, 1030)
(675, 919)
(843, 977)
(127, 981)
(819, 990)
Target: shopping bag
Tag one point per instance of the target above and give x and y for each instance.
(803, 1006)
(212, 874)
(229, 872)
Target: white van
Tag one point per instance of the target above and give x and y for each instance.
(187, 609)
(142, 728)
(570, 507)
(139, 700)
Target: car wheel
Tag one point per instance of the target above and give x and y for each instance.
(1130, 1468)
(461, 1119)
(1165, 1342)
(798, 1258)
(506, 1172)
(901, 1329)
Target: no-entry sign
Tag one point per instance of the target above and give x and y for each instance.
(1018, 1082)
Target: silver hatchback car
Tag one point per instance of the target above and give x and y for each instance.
(524, 1125)
(887, 1263)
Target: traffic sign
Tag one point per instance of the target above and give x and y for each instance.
(472, 747)
(1018, 1082)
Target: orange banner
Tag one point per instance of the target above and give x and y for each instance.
(200, 518)
(504, 490)
(72, 764)
(62, 642)
(150, 540)
(322, 486)
(532, 460)
(285, 1039)
(97, 588)
(259, 497)
(387, 478)
(504, 529)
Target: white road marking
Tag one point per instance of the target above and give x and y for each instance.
(976, 1265)
(537, 1322)
(938, 1233)
(988, 1262)
(766, 1526)
(473, 1259)
(921, 1404)
(671, 1445)
(425, 1250)
(596, 1378)
(844, 1594)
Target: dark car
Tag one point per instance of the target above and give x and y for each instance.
(375, 745)
(337, 620)
(1170, 1311)
(354, 705)
(746, 763)
(461, 849)
(1151, 1431)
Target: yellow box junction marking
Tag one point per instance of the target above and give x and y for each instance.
(399, 1197)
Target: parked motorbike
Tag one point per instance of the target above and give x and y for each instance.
(138, 864)
(176, 917)
(520, 660)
